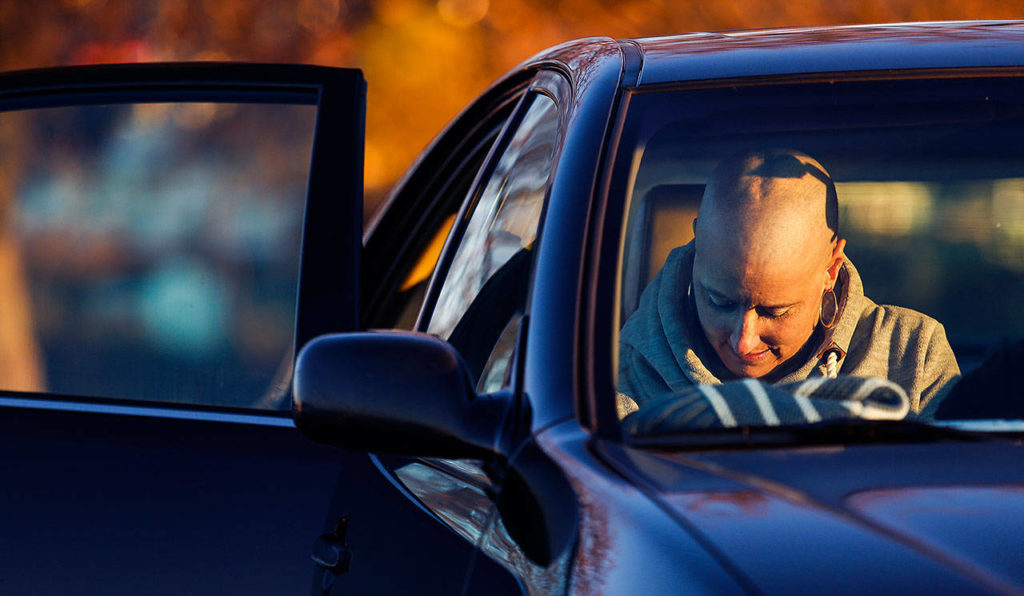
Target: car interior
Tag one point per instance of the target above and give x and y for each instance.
(931, 194)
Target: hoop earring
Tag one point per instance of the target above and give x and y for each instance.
(835, 310)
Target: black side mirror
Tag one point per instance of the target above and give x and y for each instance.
(393, 392)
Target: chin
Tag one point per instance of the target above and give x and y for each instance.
(751, 372)
(742, 369)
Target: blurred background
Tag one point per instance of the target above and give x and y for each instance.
(440, 52)
(151, 251)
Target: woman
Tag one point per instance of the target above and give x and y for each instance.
(765, 291)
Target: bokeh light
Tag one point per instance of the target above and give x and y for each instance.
(423, 59)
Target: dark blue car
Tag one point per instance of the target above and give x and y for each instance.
(214, 381)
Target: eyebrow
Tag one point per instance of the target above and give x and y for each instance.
(722, 295)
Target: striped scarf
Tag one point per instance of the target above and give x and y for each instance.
(749, 402)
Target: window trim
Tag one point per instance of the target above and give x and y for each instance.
(543, 84)
(425, 190)
(458, 230)
(326, 300)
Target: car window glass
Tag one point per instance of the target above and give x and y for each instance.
(929, 187)
(151, 251)
(422, 213)
(409, 297)
(486, 283)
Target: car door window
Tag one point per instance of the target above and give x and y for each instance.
(485, 289)
(151, 251)
(405, 242)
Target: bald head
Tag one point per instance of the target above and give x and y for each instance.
(766, 251)
(772, 186)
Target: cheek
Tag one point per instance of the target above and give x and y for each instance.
(790, 334)
(775, 333)
(714, 323)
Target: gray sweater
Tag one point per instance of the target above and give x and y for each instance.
(660, 349)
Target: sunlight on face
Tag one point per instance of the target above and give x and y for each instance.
(754, 318)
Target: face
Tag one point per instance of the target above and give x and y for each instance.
(758, 312)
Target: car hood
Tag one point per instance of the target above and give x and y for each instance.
(877, 518)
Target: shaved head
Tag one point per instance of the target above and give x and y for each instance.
(762, 195)
(766, 243)
(755, 174)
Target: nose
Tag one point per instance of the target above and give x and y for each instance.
(745, 338)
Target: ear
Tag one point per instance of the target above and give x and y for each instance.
(838, 256)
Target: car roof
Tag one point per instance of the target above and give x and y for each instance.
(807, 50)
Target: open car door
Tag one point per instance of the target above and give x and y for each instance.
(171, 235)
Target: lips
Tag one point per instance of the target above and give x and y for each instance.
(753, 357)
(751, 364)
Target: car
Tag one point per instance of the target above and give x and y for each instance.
(218, 381)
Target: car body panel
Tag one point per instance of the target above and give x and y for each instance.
(863, 517)
(626, 539)
(874, 48)
(138, 504)
(964, 523)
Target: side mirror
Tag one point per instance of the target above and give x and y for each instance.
(393, 392)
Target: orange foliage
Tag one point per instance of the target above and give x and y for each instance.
(424, 59)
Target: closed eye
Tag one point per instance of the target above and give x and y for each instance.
(723, 304)
(773, 313)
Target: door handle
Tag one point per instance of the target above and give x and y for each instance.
(331, 553)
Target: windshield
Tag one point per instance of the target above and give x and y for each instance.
(859, 254)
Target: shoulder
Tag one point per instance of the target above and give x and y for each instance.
(897, 322)
(905, 338)
(879, 324)
(907, 347)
